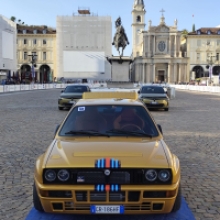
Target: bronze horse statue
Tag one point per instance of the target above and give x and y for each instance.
(120, 39)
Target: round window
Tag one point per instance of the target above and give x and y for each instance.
(161, 46)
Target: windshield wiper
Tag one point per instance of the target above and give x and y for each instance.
(135, 133)
(90, 132)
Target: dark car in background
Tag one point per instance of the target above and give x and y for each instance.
(154, 97)
(70, 95)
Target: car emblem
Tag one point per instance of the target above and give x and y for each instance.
(107, 172)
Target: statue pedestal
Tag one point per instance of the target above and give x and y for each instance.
(120, 68)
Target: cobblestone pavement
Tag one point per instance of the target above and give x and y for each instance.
(191, 129)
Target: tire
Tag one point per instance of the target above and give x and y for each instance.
(166, 109)
(177, 203)
(36, 200)
(60, 108)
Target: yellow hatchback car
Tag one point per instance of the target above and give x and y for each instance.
(154, 97)
(108, 157)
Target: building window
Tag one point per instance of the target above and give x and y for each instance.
(35, 31)
(218, 31)
(138, 18)
(208, 32)
(198, 32)
(44, 55)
(44, 41)
(25, 55)
(25, 41)
(35, 41)
(198, 56)
(44, 31)
(24, 31)
(217, 56)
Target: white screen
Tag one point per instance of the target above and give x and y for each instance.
(83, 61)
(7, 45)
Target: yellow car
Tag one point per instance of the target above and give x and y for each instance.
(108, 157)
(154, 97)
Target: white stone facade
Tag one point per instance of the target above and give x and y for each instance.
(83, 43)
(156, 51)
(8, 61)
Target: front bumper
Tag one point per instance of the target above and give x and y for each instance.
(66, 103)
(156, 104)
(135, 199)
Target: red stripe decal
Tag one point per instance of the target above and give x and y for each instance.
(107, 163)
(107, 188)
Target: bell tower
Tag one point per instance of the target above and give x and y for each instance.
(138, 24)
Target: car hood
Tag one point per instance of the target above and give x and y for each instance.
(83, 153)
(71, 95)
(153, 95)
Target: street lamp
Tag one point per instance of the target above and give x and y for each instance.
(33, 64)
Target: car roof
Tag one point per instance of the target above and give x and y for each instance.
(113, 101)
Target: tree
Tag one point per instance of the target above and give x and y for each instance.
(13, 18)
(193, 28)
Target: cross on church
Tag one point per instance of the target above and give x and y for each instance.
(162, 11)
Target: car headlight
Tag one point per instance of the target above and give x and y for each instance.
(63, 175)
(151, 175)
(50, 175)
(164, 175)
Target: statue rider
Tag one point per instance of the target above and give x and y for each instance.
(120, 38)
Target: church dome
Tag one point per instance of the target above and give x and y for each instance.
(139, 2)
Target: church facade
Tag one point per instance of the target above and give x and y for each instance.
(156, 51)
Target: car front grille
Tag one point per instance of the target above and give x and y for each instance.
(93, 196)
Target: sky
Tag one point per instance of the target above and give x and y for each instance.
(44, 12)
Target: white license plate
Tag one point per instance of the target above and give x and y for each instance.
(154, 103)
(107, 209)
(72, 102)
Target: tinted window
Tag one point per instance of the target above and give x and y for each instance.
(76, 89)
(106, 117)
(152, 89)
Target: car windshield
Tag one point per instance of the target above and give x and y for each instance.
(76, 89)
(152, 89)
(109, 120)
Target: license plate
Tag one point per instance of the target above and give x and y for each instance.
(107, 209)
(72, 102)
(154, 103)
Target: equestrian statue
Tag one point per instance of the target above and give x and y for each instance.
(120, 39)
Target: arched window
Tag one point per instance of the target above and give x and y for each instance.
(198, 32)
(208, 32)
(138, 18)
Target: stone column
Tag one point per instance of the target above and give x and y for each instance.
(175, 73)
(168, 73)
(149, 47)
(175, 46)
(154, 73)
(154, 45)
(170, 43)
(148, 73)
(143, 70)
(180, 73)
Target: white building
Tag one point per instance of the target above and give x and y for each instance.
(156, 51)
(83, 43)
(8, 60)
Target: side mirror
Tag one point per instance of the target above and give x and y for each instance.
(61, 91)
(139, 92)
(56, 129)
(160, 128)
